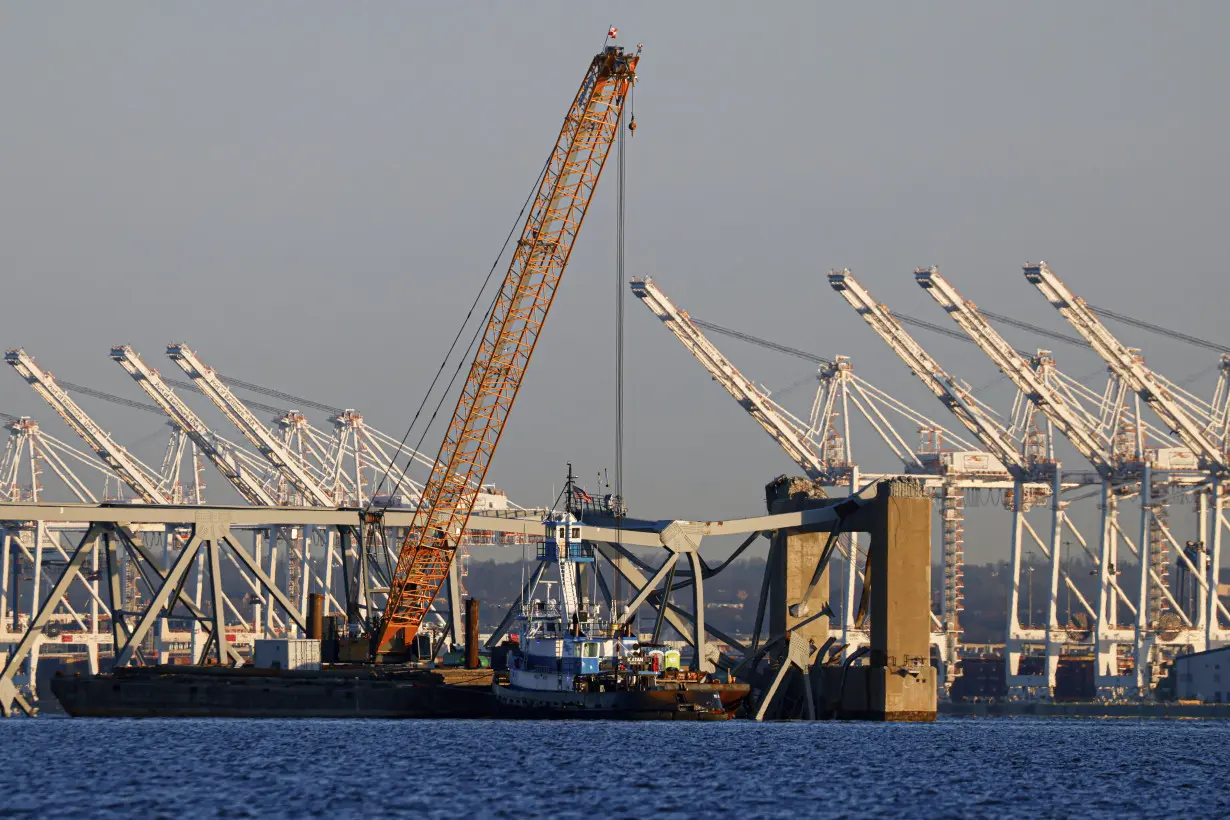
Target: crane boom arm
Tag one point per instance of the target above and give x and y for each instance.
(988, 431)
(508, 340)
(130, 471)
(1127, 364)
(1017, 368)
(274, 450)
(788, 435)
(151, 382)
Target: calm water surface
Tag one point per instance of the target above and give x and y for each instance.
(333, 768)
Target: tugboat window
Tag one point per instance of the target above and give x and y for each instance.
(576, 532)
(591, 649)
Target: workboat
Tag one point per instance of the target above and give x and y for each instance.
(567, 661)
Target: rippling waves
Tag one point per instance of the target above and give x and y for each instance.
(338, 768)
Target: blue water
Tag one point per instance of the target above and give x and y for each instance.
(457, 769)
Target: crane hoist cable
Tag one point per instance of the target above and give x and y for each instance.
(1163, 331)
(765, 343)
(298, 401)
(621, 160)
(255, 405)
(1032, 328)
(98, 394)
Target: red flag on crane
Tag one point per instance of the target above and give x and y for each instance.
(612, 33)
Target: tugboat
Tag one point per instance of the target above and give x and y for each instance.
(569, 662)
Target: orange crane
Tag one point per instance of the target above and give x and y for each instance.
(507, 343)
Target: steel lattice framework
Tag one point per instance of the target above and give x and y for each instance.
(508, 341)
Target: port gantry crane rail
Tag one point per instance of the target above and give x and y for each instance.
(136, 475)
(508, 340)
(1152, 389)
(1113, 471)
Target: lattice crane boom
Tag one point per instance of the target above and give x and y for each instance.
(1127, 364)
(789, 436)
(1017, 368)
(957, 399)
(205, 439)
(508, 340)
(261, 438)
(123, 463)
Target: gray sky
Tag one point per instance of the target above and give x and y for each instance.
(309, 194)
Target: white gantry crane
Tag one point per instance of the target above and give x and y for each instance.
(1157, 394)
(1049, 400)
(957, 398)
(1128, 365)
(1097, 446)
(274, 449)
(753, 400)
(830, 463)
(28, 445)
(209, 443)
(136, 475)
(1002, 451)
(37, 544)
(1219, 408)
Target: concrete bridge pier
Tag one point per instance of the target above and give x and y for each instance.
(894, 680)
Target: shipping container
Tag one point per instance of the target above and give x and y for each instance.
(287, 653)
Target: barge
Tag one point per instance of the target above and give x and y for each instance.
(219, 691)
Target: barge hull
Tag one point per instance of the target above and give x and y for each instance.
(169, 692)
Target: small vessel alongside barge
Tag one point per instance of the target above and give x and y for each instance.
(570, 663)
